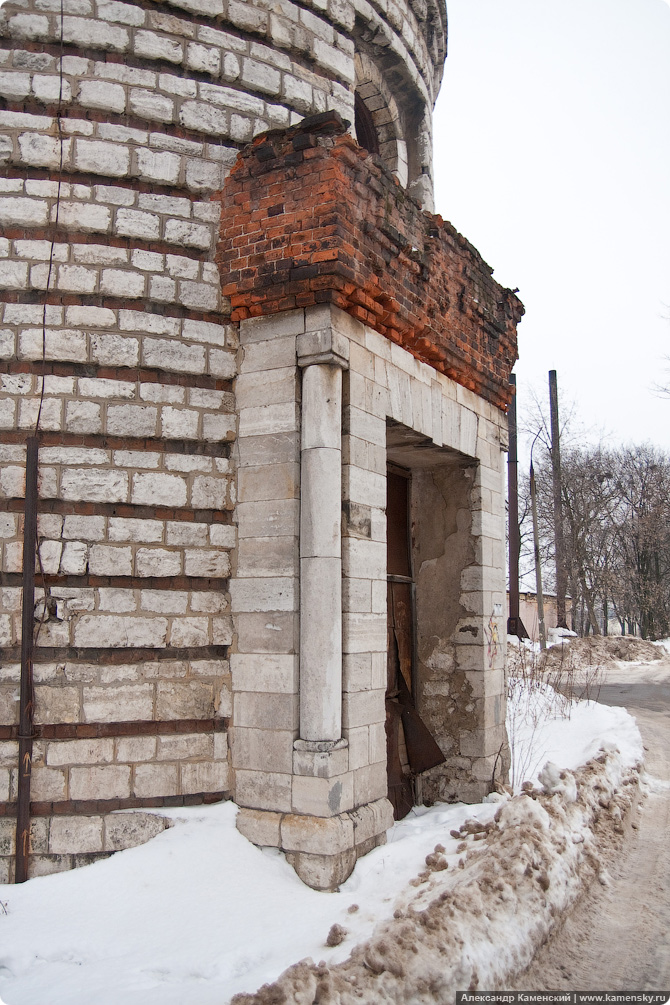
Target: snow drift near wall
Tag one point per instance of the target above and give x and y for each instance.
(599, 650)
(476, 928)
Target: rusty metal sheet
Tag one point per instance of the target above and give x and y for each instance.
(392, 658)
(422, 750)
(400, 786)
(401, 614)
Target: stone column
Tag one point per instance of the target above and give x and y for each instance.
(322, 356)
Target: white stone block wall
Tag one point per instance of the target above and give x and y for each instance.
(452, 430)
(166, 98)
(265, 588)
(118, 126)
(446, 433)
(67, 842)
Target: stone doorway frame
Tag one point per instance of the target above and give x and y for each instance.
(322, 798)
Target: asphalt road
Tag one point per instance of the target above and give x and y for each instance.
(617, 939)
(644, 695)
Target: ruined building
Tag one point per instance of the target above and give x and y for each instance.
(254, 396)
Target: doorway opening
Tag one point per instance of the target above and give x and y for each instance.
(409, 745)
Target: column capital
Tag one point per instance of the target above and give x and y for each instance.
(321, 758)
(325, 346)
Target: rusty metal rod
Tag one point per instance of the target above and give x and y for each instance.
(26, 698)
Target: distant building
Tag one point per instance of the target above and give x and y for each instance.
(529, 615)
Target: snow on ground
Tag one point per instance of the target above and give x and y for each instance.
(198, 913)
(625, 673)
(542, 728)
(478, 928)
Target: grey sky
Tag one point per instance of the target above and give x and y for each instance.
(553, 158)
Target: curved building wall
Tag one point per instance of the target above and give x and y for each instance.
(212, 75)
(117, 128)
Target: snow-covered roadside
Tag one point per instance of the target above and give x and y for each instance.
(475, 929)
(198, 913)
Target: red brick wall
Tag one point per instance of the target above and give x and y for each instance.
(310, 217)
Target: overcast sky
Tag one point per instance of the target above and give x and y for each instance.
(552, 157)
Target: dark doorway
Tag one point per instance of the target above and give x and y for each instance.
(410, 747)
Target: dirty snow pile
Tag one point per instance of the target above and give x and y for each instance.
(545, 726)
(459, 897)
(598, 650)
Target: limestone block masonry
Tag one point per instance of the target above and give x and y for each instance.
(222, 318)
(324, 803)
(353, 326)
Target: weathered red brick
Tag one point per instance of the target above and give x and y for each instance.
(342, 231)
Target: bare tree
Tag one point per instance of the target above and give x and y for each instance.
(616, 524)
(641, 590)
(616, 506)
(589, 502)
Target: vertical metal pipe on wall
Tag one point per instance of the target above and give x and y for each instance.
(26, 698)
(514, 623)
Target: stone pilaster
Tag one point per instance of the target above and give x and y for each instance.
(295, 779)
(322, 357)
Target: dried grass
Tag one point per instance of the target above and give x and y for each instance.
(537, 690)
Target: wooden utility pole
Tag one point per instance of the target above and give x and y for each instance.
(538, 566)
(514, 623)
(559, 543)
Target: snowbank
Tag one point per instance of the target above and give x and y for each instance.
(199, 914)
(545, 726)
(462, 930)
(599, 650)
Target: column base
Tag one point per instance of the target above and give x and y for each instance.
(323, 872)
(320, 758)
(322, 850)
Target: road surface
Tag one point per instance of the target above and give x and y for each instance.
(617, 939)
